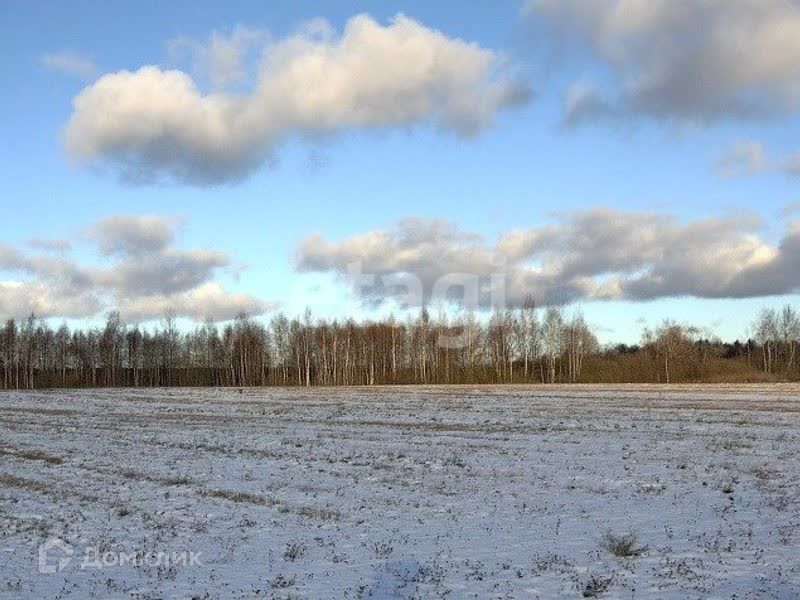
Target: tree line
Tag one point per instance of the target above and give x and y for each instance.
(522, 345)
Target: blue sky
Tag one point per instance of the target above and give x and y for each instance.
(524, 169)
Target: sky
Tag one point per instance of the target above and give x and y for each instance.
(634, 159)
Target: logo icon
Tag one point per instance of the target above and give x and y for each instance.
(54, 556)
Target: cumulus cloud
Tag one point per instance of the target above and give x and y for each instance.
(132, 234)
(153, 123)
(145, 276)
(45, 299)
(698, 61)
(742, 158)
(70, 63)
(206, 300)
(55, 268)
(170, 270)
(594, 255)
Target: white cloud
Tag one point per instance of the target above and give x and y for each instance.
(167, 271)
(45, 299)
(206, 300)
(153, 123)
(133, 234)
(146, 277)
(70, 63)
(598, 254)
(698, 61)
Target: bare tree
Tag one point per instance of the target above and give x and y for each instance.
(506, 346)
(790, 334)
(580, 342)
(767, 334)
(553, 340)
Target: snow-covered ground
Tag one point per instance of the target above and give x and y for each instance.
(407, 492)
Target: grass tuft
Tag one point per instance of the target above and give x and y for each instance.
(623, 546)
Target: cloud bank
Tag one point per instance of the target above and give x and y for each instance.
(698, 61)
(153, 124)
(147, 276)
(595, 255)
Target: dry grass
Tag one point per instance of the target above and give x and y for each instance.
(623, 546)
(240, 496)
(21, 483)
(50, 459)
(293, 551)
(596, 586)
(311, 512)
(160, 479)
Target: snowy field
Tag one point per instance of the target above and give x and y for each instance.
(458, 492)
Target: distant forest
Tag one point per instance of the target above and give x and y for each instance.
(523, 345)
